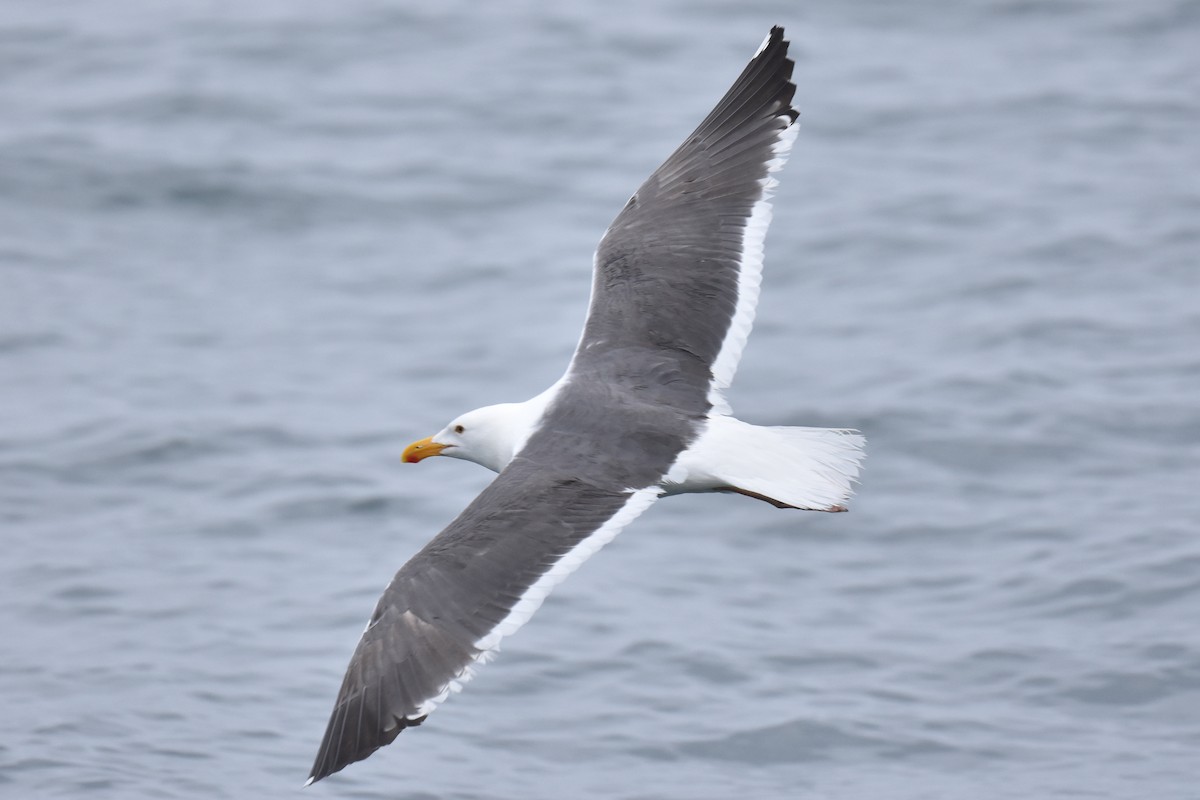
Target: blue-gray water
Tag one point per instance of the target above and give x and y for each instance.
(249, 251)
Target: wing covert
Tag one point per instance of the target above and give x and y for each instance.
(447, 608)
(679, 268)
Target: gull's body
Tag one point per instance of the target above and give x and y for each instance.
(638, 414)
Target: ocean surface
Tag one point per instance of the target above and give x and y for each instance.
(249, 251)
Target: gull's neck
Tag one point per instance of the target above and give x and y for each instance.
(514, 424)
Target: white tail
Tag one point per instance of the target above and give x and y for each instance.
(805, 468)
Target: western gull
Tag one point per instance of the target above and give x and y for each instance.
(638, 414)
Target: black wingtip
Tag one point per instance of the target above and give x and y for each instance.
(774, 40)
(341, 747)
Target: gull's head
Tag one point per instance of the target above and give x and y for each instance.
(486, 436)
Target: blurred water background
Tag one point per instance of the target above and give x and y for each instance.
(249, 251)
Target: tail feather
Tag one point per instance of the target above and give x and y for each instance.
(806, 468)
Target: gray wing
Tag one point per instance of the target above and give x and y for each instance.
(669, 290)
(448, 607)
(677, 273)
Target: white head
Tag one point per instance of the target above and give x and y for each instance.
(488, 436)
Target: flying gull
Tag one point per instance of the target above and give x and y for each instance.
(639, 414)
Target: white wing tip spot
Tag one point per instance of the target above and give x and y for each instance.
(766, 41)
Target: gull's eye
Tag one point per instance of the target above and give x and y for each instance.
(459, 429)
